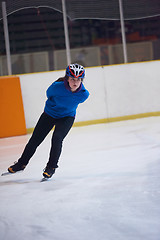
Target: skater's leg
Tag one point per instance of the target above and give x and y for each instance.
(43, 127)
(62, 128)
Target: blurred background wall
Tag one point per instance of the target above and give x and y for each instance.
(37, 40)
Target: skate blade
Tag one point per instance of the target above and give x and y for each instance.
(8, 173)
(5, 173)
(45, 179)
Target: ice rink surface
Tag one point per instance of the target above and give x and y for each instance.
(107, 186)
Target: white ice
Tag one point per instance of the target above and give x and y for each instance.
(107, 186)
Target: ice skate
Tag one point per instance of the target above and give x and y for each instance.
(48, 172)
(16, 167)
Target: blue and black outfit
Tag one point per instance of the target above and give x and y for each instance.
(59, 111)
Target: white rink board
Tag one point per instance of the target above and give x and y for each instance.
(133, 88)
(115, 91)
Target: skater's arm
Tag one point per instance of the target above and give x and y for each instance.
(84, 94)
(51, 91)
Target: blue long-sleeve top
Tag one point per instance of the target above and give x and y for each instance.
(62, 102)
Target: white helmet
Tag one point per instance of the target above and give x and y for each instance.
(75, 70)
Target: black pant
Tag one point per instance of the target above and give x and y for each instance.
(43, 127)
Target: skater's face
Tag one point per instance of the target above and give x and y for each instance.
(74, 83)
